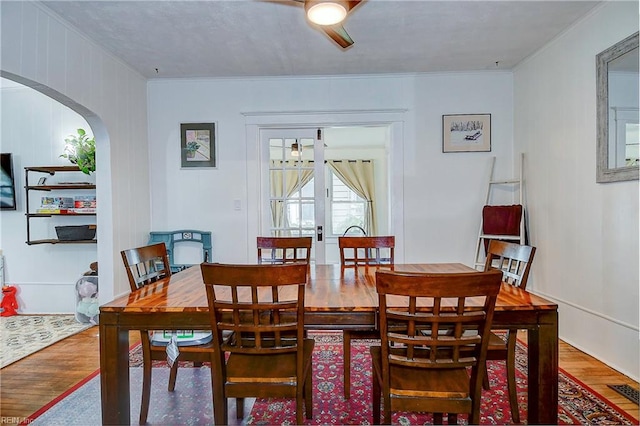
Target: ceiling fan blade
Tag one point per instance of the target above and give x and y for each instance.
(351, 4)
(338, 34)
(348, 4)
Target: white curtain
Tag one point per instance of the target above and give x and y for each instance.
(358, 176)
(287, 177)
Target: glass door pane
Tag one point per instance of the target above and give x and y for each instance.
(291, 186)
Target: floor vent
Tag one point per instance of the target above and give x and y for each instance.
(626, 391)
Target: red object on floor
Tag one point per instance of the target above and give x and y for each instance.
(9, 303)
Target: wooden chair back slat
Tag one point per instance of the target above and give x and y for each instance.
(514, 260)
(146, 265)
(277, 250)
(367, 250)
(456, 308)
(262, 305)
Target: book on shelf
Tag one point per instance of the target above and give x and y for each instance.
(56, 202)
(66, 211)
(54, 211)
(85, 202)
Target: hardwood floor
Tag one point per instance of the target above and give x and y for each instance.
(597, 376)
(34, 381)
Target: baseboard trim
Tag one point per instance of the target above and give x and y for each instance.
(589, 311)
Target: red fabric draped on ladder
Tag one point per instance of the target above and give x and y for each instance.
(501, 220)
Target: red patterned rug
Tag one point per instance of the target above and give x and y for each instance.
(577, 403)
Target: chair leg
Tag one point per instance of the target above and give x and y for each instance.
(375, 386)
(308, 394)
(437, 418)
(239, 408)
(346, 350)
(485, 378)
(386, 405)
(511, 377)
(300, 407)
(173, 373)
(220, 410)
(452, 419)
(146, 390)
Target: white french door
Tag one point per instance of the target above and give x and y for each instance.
(293, 189)
(388, 170)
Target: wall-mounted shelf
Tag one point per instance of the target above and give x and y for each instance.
(59, 187)
(63, 186)
(54, 241)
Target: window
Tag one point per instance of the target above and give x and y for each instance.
(300, 211)
(347, 208)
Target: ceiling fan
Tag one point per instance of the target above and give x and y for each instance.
(328, 16)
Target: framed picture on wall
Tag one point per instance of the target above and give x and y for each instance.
(7, 183)
(466, 133)
(198, 145)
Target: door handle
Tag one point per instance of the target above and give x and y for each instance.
(319, 232)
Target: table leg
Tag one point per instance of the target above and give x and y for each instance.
(114, 374)
(543, 370)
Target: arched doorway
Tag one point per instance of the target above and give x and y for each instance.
(35, 122)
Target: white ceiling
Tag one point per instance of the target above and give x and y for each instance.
(273, 38)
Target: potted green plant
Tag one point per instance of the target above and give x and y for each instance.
(192, 147)
(80, 149)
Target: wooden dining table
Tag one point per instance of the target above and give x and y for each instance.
(336, 298)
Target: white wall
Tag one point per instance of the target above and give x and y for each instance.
(443, 193)
(33, 127)
(586, 233)
(39, 50)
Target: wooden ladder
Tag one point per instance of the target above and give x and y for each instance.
(517, 184)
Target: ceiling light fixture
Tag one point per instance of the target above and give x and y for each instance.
(296, 149)
(325, 12)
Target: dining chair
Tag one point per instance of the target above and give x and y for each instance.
(274, 250)
(147, 265)
(514, 260)
(354, 252)
(268, 355)
(417, 371)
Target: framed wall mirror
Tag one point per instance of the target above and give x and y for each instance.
(618, 139)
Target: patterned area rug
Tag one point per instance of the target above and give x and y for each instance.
(577, 404)
(191, 402)
(22, 335)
